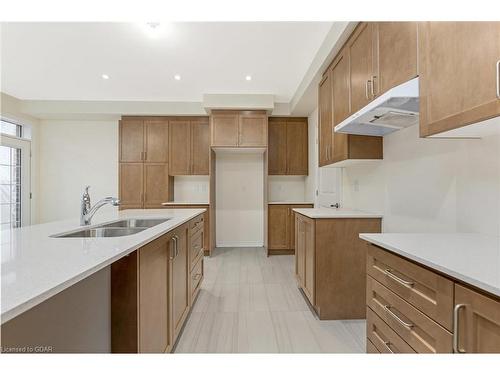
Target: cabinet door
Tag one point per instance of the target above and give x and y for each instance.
(309, 260)
(157, 185)
(297, 158)
(292, 222)
(300, 246)
(341, 104)
(179, 280)
(478, 322)
(200, 147)
(224, 129)
(458, 74)
(279, 226)
(396, 55)
(277, 151)
(131, 185)
(325, 120)
(361, 66)
(154, 309)
(180, 147)
(252, 130)
(131, 140)
(156, 145)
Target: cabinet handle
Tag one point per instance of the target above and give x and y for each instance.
(367, 91)
(456, 338)
(176, 245)
(145, 155)
(373, 86)
(397, 318)
(388, 346)
(172, 256)
(389, 273)
(498, 79)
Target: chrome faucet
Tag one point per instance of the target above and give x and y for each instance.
(87, 211)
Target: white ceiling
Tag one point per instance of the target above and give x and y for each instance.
(65, 61)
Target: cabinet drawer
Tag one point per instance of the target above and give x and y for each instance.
(383, 337)
(196, 248)
(196, 278)
(424, 289)
(422, 333)
(196, 224)
(370, 348)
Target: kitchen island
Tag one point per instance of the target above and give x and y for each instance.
(36, 266)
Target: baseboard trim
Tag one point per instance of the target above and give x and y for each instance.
(241, 244)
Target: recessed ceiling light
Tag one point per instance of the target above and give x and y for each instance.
(105, 76)
(177, 77)
(248, 78)
(155, 29)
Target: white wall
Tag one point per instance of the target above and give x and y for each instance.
(191, 189)
(430, 185)
(74, 154)
(286, 189)
(239, 199)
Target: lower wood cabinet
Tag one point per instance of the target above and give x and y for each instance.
(144, 185)
(281, 228)
(410, 306)
(152, 292)
(325, 249)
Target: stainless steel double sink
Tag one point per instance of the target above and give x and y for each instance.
(119, 228)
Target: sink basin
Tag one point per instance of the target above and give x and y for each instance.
(119, 228)
(102, 232)
(134, 223)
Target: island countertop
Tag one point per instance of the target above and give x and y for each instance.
(36, 266)
(471, 258)
(335, 213)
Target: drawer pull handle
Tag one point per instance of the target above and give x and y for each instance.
(397, 318)
(456, 327)
(389, 273)
(388, 346)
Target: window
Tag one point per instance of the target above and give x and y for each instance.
(14, 177)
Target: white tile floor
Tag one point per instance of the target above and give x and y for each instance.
(250, 303)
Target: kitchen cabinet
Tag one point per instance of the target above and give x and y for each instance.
(324, 249)
(179, 280)
(238, 129)
(154, 307)
(152, 293)
(189, 147)
(477, 321)
(144, 185)
(325, 120)
(281, 227)
(395, 54)
(143, 140)
(428, 310)
(288, 146)
(361, 63)
(458, 74)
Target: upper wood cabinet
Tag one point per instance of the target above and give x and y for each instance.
(189, 147)
(360, 50)
(395, 54)
(325, 119)
(144, 140)
(458, 74)
(478, 322)
(288, 146)
(239, 129)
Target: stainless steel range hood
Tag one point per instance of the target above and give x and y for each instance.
(394, 110)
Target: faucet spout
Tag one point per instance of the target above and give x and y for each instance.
(87, 211)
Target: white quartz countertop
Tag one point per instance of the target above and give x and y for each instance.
(36, 266)
(185, 203)
(471, 258)
(291, 202)
(335, 213)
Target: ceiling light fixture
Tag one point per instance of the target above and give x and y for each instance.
(248, 78)
(177, 77)
(105, 76)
